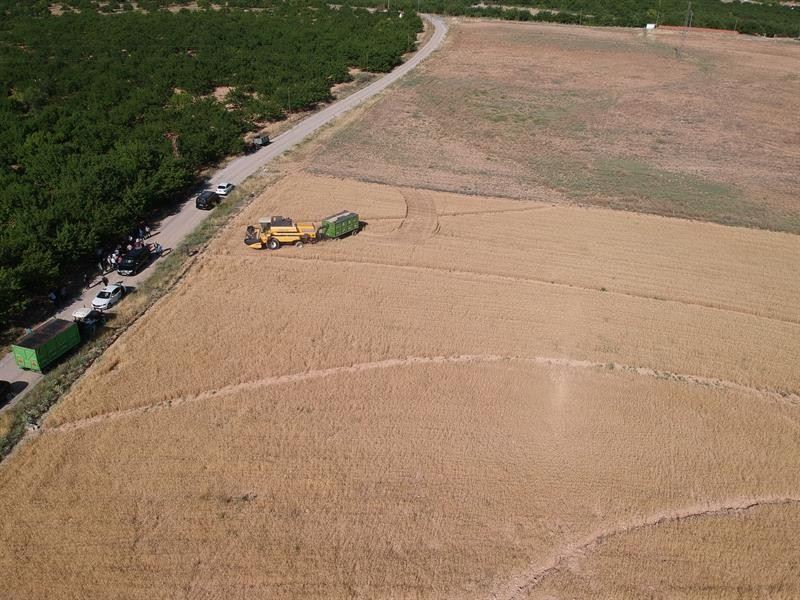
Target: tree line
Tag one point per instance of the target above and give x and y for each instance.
(764, 17)
(768, 18)
(91, 101)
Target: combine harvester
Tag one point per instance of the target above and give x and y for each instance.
(274, 232)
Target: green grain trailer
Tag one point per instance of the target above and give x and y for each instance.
(339, 225)
(45, 344)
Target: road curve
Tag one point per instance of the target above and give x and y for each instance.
(174, 228)
(244, 166)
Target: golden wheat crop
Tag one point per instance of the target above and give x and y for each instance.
(567, 282)
(423, 410)
(437, 478)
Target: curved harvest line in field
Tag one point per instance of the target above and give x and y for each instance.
(513, 279)
(522, 585)
(276, 380)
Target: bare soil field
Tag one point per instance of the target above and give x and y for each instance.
(576, 408)
(696, 125)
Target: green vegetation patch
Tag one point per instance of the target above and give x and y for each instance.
(768, 18)
(104, 118)
(633, 184)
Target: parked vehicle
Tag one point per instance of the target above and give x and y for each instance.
(108, 296)
(45, 344)
(257, 143)
(339, 225)
(223, 189)
(88, 321)
(207, 200)
(134, 261)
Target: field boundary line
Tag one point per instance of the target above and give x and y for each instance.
(511, 278)
(300, 376)
(523, 584)
(466, 213)
(497, 211)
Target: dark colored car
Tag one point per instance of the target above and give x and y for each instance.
(257, 144)
(134, 261)
(5, 391)
(207, 200)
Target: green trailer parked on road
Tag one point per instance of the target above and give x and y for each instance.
(45, 344)
(339, 225)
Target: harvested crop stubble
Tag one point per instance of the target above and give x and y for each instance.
(427, 479)
(705, 550)
(690, 125)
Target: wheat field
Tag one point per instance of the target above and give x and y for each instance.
(574, 408)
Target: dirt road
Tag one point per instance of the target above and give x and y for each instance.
(177, 226)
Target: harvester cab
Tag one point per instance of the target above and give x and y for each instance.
(273, 232)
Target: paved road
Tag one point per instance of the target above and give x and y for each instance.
(176, 226)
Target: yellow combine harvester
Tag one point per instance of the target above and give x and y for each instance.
(273, 232)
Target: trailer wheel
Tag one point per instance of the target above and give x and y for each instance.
(298, 244)
(356, 230)
(273, 244)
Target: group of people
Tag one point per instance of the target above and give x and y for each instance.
(135, 240)
(58, 297)
(109, 262)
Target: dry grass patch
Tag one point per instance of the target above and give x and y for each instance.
(682, 125)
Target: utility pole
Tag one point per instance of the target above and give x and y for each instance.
(689, 14)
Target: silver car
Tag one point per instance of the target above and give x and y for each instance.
(223, 189)
(108, 296)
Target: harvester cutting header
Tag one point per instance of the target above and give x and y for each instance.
(274, 232)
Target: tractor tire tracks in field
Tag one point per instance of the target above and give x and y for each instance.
(709, 382)
(535, 280)
(421, 220)
(465, 213)
(521, 586)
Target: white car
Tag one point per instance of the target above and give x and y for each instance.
(223, 189)
(108, 296)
